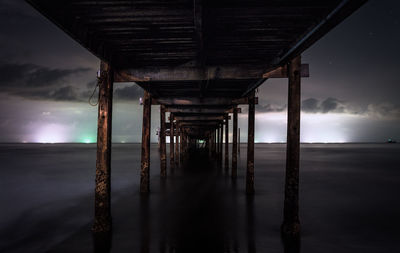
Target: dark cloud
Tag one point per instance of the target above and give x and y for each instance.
(36, 82)
(16, 75)
(332, 105)
(132, 93)
(310, 105)
(65, 93)
(313, 105)
(270, 108)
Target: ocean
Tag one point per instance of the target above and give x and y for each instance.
(349, 200)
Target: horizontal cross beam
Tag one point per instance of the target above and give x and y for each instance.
(201, 101)
(200, 73)
(200, 110)
(199, 118)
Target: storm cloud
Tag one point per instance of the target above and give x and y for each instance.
(36, 82)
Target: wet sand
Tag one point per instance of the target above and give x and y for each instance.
(348, 200)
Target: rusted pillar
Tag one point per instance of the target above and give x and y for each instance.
(234, 144)
(177, 144)
(163, 145)
(145, 165)
(250, 147)
(291, 222)
(171, 140)
(226, 142)
(102, 205)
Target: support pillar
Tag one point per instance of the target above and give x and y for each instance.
(145, 164)
(221, 140)
(177, 155)
(250, 147)
(239, 141)
(163, 145)
(102, 209)
(291, 222)
(226, 142)
(171, 140)
(234, 144)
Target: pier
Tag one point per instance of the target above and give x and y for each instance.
(200, 62)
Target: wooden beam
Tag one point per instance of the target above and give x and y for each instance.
(199, 118)
(344, 9)
(145, 159)
(163, 147)
(189, 73)
(198, 109)
(102, 213)
(250, 148)
(209, 101)
(291, 222)
(279, 72)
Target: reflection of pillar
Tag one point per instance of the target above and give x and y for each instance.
(250, 147)
(145, 165)
(291, 222)
(144, 225)
(234, 144)
(226, 142)
(102, 206)
(171, 140)
(163, 145)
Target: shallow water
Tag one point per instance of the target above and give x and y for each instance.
(348, 200)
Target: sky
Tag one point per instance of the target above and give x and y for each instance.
(352, 94)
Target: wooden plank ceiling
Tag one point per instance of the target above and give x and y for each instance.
(247, 37)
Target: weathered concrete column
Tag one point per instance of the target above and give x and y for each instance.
(171, 140)
(291, 222)
(102, 205)
(163, 145)
(145, 164)
(226, 142)
(234, 144)
(250, 147)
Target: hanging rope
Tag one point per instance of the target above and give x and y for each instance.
(100, 79)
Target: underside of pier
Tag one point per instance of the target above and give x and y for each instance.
(199, 60)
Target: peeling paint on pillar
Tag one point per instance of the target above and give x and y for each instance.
(234, 144)
(291, 222)
(250, 147)
(145, 164)
(102, 220)
(163, 145)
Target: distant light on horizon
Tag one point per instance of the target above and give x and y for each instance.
(51, 133)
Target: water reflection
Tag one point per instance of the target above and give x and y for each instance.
(102, 242)
(197, 209)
